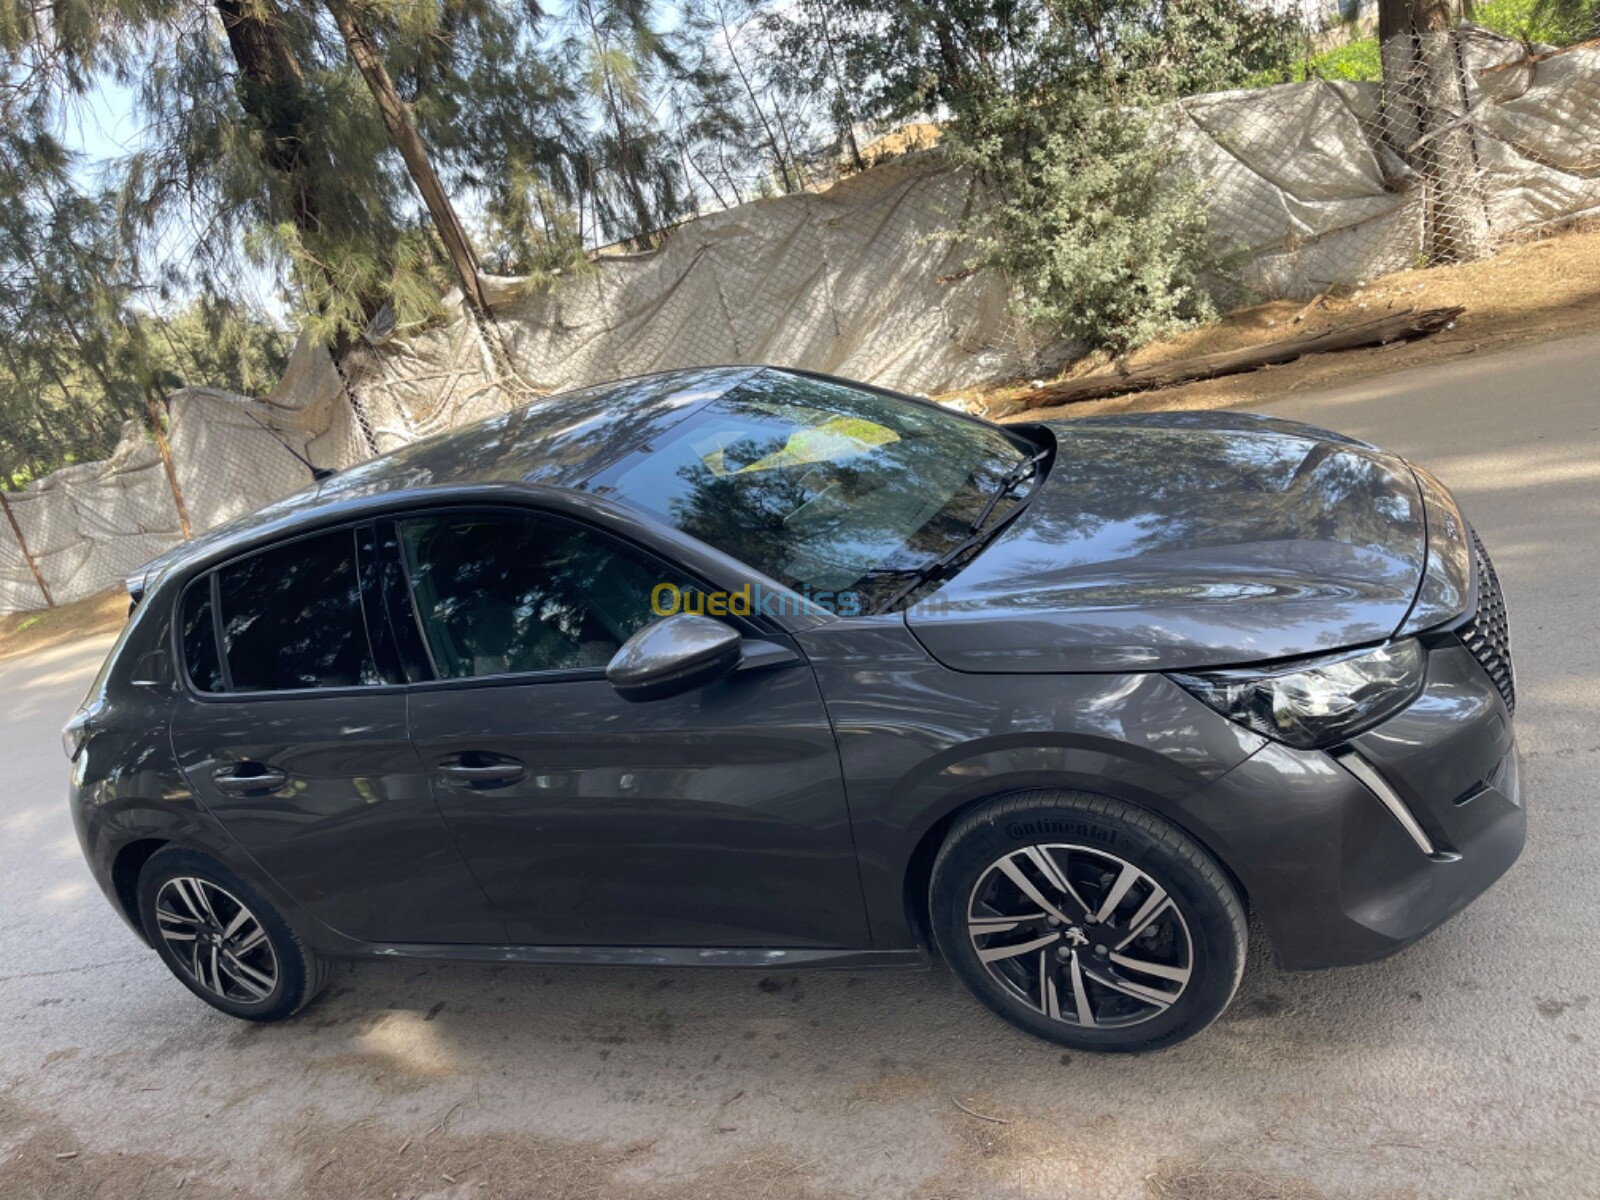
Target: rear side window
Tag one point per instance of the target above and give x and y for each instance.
(288, 618)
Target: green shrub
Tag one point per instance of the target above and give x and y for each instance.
(1104, 241)
(1356, 61)
(1087, 210)
(1555, 22)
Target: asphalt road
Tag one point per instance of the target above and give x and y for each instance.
(1468, 1066)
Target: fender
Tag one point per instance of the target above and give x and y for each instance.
(1016, 762)
(1118, 771)
(107, 826)
(966, 737)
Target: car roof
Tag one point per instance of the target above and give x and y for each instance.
(559, 441)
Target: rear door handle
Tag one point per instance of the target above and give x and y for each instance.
(248, 778)
(482, 770)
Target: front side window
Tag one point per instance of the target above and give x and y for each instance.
(817, 484)
(505, 593)
(291, 618)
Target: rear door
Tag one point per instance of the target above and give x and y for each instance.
(712, 818)
(294, 734)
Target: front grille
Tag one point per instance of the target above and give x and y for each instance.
(1488, 634)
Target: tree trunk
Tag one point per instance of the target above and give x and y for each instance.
(842, 92)
(794, 159)
(48, 430)
(22, 544)
(77, 404)
(397, 118)
(1425, 99)
(37, 409)
(157, 428)
(727, 175)
(772, 141)
(691, 168)
(272, 91)
(644, 214)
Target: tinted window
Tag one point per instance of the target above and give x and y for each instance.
(200, 638)
(503, 593)
(819, 485)
(291, 617)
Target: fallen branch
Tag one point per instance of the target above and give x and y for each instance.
(1320, 300)
(1398, 327)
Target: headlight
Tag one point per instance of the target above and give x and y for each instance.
(1316, 703)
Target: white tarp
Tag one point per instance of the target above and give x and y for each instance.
(861, 280)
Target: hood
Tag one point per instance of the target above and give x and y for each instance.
(1181, 541)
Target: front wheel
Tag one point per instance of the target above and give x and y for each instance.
(1088, 921)
(223, 940)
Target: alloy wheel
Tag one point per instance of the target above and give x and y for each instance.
(217, 941)
(1080, 935)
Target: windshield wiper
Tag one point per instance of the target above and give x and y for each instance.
(935, 568)
(1012, 477)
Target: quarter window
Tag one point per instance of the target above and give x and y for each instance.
(200, 638)
(291, 618)
(501, 594)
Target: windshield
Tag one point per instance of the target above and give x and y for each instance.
(825, 487)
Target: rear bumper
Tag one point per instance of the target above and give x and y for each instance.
(1337, 876)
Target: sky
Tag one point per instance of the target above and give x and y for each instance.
(104, 126)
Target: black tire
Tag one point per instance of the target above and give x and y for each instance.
(296, 974)
(1200, 936)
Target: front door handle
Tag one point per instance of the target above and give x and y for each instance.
(249, 779)
(480, 770)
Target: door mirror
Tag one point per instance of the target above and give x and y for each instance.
(676, 655)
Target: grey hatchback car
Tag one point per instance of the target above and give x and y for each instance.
(755, 667)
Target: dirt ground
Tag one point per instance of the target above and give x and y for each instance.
(1540, 289)
(25, 632)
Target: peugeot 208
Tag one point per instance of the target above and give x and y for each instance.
(752, 667)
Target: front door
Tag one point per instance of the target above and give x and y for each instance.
(292, 737)
(713, 818)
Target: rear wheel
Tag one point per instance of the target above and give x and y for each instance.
(1088, 921)
(223, 940)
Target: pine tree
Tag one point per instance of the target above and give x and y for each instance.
(363, 51)
(735, 32)
(621, 62)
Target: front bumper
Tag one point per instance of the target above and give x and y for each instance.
(1335, 875)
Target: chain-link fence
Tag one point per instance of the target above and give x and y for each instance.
(1470, 138)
